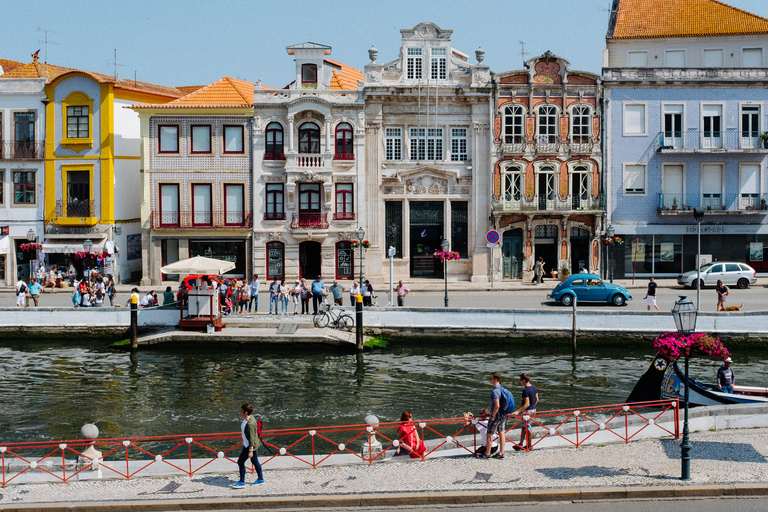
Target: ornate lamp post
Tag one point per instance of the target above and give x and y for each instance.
(684, 312)
(87, 247)
(446, 245)
(31, 236)
(360, 235)
(611, 234)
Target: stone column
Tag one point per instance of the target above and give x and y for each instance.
(290, 134)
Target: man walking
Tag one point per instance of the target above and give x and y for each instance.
(402, 291)
(530, 399)
(539, 270)
(725, 376)
(21, 293)
(255, 285)
(274, 295)
(34, 290)
(249, 430)
(501, 403)
(337, 291)
(318, 291)
(650, 295)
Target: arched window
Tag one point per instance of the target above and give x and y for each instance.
(512, 184)
(274, 142)
(309, 76)
(344, 144)
(547, 125)
(580, 125)
(545, 182)
(513, 125)
(309, 138)
(580, 180)
(275, 260)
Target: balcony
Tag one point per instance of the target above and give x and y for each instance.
(310, 221)
(269, 155)
(274, 216)
(549, 203)
(310, 161)
(22, 150)
(344, 216)
(75, 209)
(202, 220)
(716, 203)
(698, 141)
(547, 144)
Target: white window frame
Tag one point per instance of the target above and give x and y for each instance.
(538, 171)
(759, 106)
(676, 50)
(759, 183)
(723, 117)
(413, 58)
(393, 144)
(685, 174)
(458, 150)
(624, 192)
(590, 169)
(590, 114)
(556, 125)
(516, 170)
(704, 52)
(646, 52)
(438, 63)
(437, 147)
(741, 54)
(665, 104)
(722, 182)
(512, 105)
(624, 118)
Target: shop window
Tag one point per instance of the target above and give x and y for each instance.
(345, 255)
(309, 76)
(413, 63)
(275, 208)
(24, 187)
(393, 226)
(233, 139)
(168, 139)
(344, 142)
(344, 202)
(309, 138)
(513, 125)
(459, 145)
(234, 213)
(275, 260)
(202, 215)
(394, 144)
(79, 194)
(274, 142)
(169, 204)
(201, 139)
(460, 228)
(225, 250)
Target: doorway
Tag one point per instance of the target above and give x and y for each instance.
(579, 250)
(310, 260)
(426, 232)
(546, 247)
(512, 254)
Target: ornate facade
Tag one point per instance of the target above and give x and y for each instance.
(427, 117)
(547, 180)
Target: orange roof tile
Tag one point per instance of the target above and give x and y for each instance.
(643, 19)
(344, 77)
(37, 70)
(225, 92)
(186, 89)
(9, 65)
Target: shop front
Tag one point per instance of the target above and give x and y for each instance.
(426, 236)
(233, 250)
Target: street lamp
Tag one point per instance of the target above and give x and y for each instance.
(87, 245)
(611, 234)
(31, 236)
(446, 245)
(360, 235)
(684, 312)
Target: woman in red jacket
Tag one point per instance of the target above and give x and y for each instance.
(409, 437)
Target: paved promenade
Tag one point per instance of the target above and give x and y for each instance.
(731, 462)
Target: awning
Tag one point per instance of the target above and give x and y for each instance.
(199, 265)
(68, 246)
(4, 244)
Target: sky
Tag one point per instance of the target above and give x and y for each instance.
(193, 42)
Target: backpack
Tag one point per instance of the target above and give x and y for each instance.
(22, 289)
(507, 402)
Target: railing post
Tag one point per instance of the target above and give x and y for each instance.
(359, 320)
(134, 328)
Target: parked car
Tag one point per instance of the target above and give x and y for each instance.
(729, 272)
(589, 288)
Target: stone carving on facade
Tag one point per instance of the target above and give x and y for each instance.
(393, 189)
(483, 128)
(308, 176)
(426, 185)
(275, 235)
(344, 179)
(346, 235)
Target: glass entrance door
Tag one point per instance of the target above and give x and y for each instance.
(512, 254)
(426, 235)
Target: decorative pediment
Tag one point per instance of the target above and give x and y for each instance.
(308, 176)
(426, 184)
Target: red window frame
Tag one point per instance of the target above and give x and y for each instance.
(313, 136)
(344, 142)
(160, 139)
(160, 204)
(194, 210)
(278, 149)
(351, 275)
(310, 189)
(224, 139)
(274, 193)
(226, 211)
(308, 66)
(345, 201)
(192, 139)
(270, 245)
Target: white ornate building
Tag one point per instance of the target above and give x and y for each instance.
(309, 170)
(427, 117)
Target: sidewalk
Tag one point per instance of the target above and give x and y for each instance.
(728, 462)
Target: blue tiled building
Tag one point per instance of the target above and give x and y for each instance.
(685, 109)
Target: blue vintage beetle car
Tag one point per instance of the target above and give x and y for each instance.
(589, 288)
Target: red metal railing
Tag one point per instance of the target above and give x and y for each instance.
(270, 155)
(127, 457)
(310, 220)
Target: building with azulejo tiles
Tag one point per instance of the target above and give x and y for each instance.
(686, 114)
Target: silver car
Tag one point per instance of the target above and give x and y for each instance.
(729, 272)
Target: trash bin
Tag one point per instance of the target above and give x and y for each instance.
(209, 329)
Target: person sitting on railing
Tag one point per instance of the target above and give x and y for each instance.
(409, 437)
(482, 428)
(149, 299)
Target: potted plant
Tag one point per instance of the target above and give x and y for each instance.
(764, 139)
(674, 203)
(565, 272)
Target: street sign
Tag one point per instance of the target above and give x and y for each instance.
(492, 237)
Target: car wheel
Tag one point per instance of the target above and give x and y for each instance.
(618, 300)
(743, 283)
(566, 300)
(696, 286)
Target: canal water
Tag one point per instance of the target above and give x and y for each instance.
(49, 390)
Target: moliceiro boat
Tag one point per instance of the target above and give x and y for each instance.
(665, 380)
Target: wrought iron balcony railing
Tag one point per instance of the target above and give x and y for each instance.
(700, 140)
(76, 209)
(549, 202)
(310, 220)
(22, 150)
(274, 216)
(746, 202)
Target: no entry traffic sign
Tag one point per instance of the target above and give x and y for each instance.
(492, 237)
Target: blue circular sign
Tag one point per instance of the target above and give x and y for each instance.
(492, 237)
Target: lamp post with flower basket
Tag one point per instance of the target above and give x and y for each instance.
(444, 256)
(362, 244)
(610, 241)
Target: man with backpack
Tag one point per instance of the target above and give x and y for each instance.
(249, 429)
(502, 403)
(21, 293)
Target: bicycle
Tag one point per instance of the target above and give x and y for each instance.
(336, 318)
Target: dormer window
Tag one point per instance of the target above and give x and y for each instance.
(413, 64)
(309, 76)
(438, 68)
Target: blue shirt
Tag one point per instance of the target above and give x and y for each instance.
(530, 393)
(318, 286)
(35, 289)
(336, 291)
(496, 395)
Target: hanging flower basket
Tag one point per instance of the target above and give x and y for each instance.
(31, 246)
(365, 243)
(93, 255)
(613, 240)
(675, 345)
(443, 256)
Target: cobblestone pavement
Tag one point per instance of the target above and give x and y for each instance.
(723, 457)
